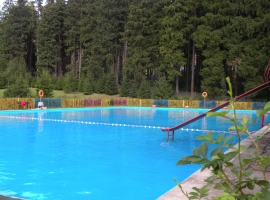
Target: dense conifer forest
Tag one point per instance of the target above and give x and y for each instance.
(135, 48)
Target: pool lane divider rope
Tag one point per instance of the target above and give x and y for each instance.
(110, 124)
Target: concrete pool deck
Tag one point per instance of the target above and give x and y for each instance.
(197, 179)
(8, 198)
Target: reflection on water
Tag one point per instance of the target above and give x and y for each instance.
(40, 121)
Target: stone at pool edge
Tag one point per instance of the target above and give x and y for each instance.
(8, 198)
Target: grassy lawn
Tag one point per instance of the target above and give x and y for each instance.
(61, 94)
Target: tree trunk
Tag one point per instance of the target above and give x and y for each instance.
(192, 71)
(187, 68)
(177, 86)
(80, 60)
(124, 56)
(117, 67)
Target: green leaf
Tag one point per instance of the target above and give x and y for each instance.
(191, 159)
(202, 137)
(196, 151)
(221, 156)
(184, 161)
(227, 139)
(266, 193)
(204, 149)
(248, 172)
(220, 138)
(230, 86)
(225, 196)
(215, 114)
(263, 183)
(244, 121)
(216, 151)
(243, 148)
(267, 106)
(226, 185)
(250, 186)
(210, 136)
(230, 155)
(194, 194)
(247, 161)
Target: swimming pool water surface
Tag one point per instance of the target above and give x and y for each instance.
(98, 153)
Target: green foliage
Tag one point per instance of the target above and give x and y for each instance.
(49, 39)
(162, 89)
(110, 85)
(18, 89)
(100, 85)
(88, 87)
(81, 83)
(221, 164)
(124, 89)
(59, 82)
(71, 83)
(3, 81)
(138, 40)
(44, 83)
(133, 89)
(144, 90)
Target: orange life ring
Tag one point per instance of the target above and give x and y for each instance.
(40, 93)
(204, 94)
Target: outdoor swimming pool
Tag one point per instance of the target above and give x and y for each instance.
(98, 153)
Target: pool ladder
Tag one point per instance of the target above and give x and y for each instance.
(168, 135)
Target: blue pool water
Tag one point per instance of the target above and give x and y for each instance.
(98, 153)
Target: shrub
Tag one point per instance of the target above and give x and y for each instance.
(44, 83)
(18, 89)
(221, 164)
(162, 89)
(144, 90)
(110, 85)
(70, 83)
(87, 87)
(99, 87)
(124, 89)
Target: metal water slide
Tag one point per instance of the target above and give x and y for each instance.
(258, 88)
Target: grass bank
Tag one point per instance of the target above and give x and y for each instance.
(61, 94)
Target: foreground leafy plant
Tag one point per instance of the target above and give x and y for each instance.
(221, 164)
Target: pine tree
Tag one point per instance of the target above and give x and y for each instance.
(162, 89)
(110, 85)
(124, 89)
(18, 34)
(87, 87)
(71, 83)
(50, 44)
(144, 90)
(173, 39)
(74, 13)
(142, 37)
(18, 89)
(99, 87)
(44, 83)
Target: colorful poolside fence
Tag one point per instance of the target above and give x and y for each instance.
(72, 103)
(238, 105)
(30, 103)
(91, 102)
(16, 103)
(207, 104)
(49, 102)
(258, 105)
(161, 103)
(120, 102)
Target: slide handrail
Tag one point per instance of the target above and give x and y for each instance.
(256, 89)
